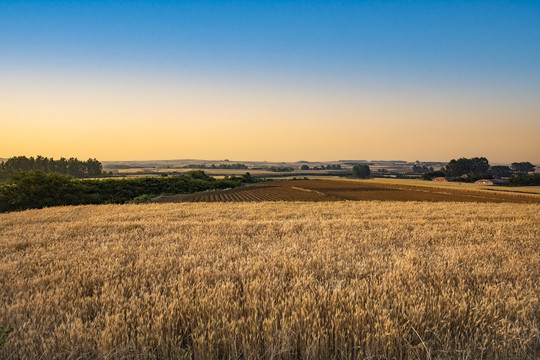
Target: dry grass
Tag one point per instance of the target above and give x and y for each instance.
(345, 280)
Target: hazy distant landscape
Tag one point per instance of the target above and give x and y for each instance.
(259, 168)
(38, 182)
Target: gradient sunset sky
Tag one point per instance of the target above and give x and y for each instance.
(274, 80)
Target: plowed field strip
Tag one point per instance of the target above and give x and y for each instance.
(244, 196)
(258, 195)
(241, 196)
(267, 196)
(335, 190)
(250, 196)
(358, 190)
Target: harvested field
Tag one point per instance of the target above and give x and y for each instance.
(333, 190)
(456, 185)
(340, 280)
(270, 191)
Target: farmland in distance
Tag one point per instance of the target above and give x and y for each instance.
(335, 190)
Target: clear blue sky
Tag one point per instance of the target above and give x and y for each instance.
(468, 38)
(445, 47)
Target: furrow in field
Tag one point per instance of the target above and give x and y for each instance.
(336, 190)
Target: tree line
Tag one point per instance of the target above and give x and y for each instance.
(322, 167)
(214, 166)
(280, 169)
(422, 169)
(72, 166)
(476, 168)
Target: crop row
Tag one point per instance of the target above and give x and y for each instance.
(254, 194)
(332, 190)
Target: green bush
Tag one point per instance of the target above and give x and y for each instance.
(36, 189)
(525, 180)
(432, 175)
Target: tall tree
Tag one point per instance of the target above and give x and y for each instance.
(500, 171)
(93, 167)
(361, 171)
(522, 167)
(477, 167)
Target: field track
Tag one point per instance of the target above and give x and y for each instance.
(335, 190)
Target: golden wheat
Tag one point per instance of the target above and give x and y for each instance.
(336, 280)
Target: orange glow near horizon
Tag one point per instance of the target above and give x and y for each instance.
(144, 119)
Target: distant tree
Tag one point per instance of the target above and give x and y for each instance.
(214, 166)
(18, 163)
(458, 167)
(480, 167)
(93, 167)
(233, 166)
(199, 174)
(304, 167)
(474, 168)
(41, 163)
(280, 169)
(522, 167)
(248, 179)
(433, 174)
(421, 169)
(500, 171)
(361, 171)
(75, 168)
(61, 166)
(525, 180)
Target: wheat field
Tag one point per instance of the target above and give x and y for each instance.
(340, 280)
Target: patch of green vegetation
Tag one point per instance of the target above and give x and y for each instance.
(4, 333)
(525, 180)
(38, 189)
